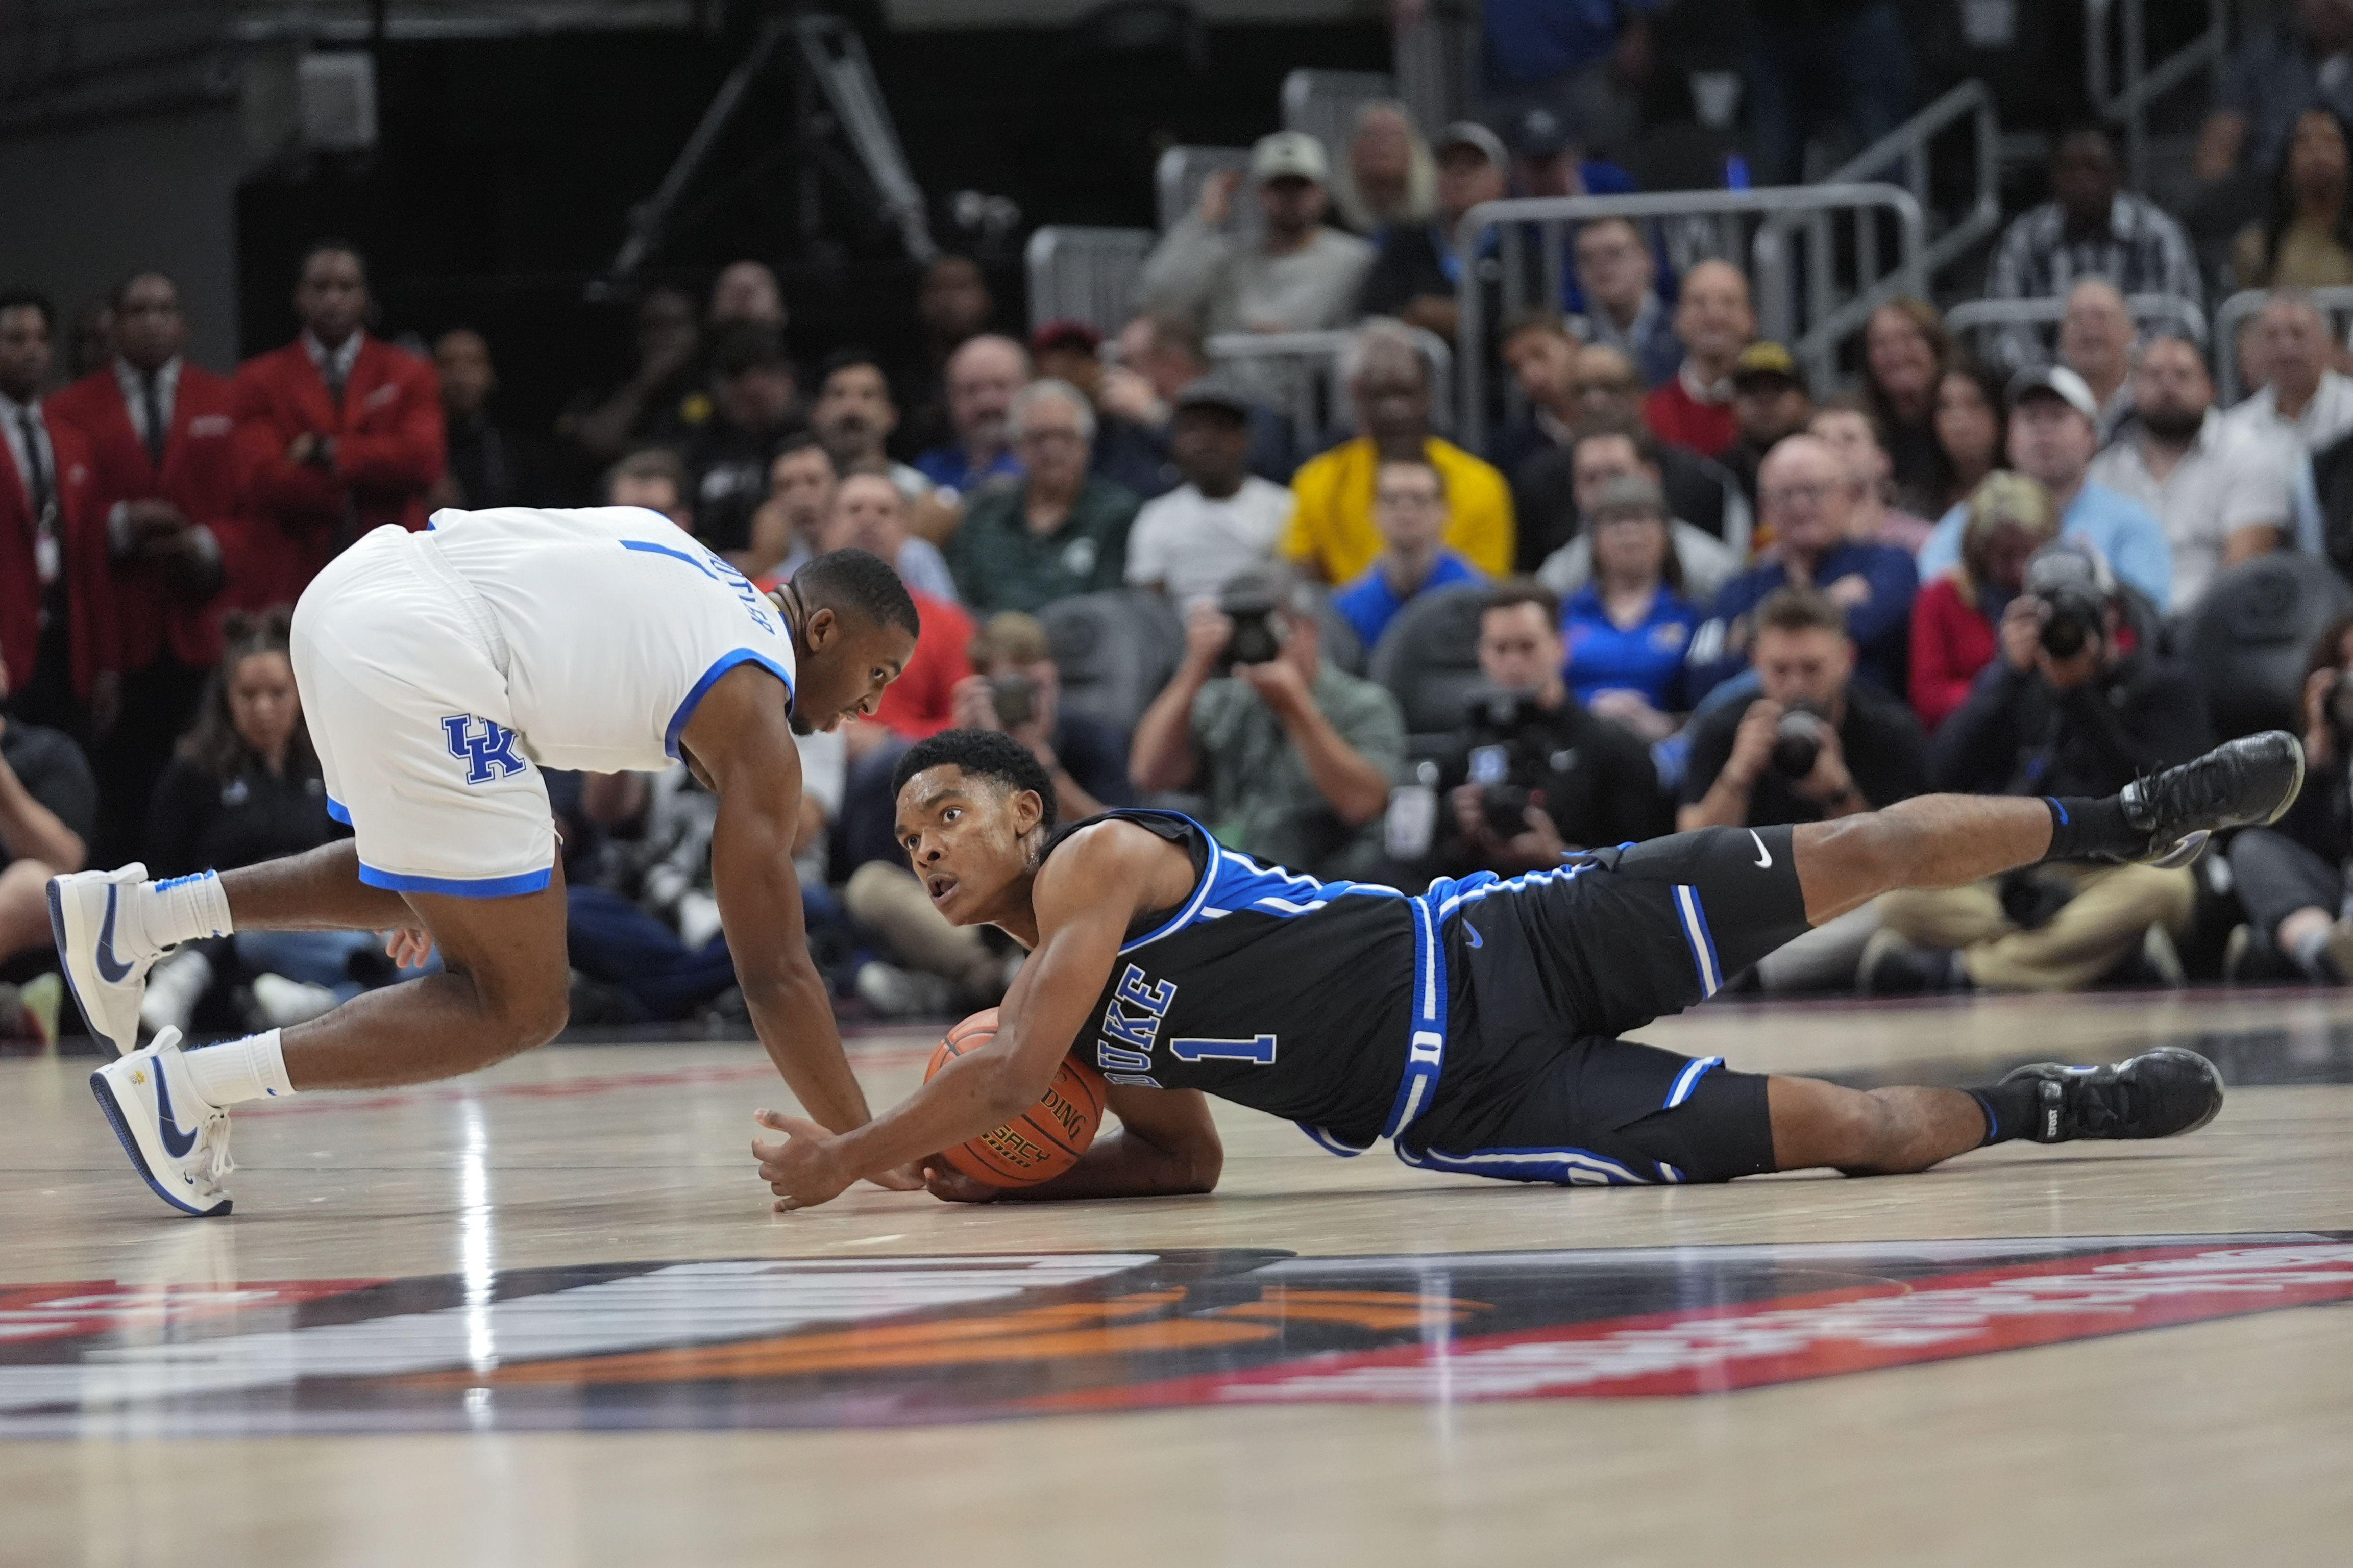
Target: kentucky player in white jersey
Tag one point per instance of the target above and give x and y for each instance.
(440, 672)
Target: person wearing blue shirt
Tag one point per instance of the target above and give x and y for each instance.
(1582, 58)
(1409, 508)
(1628, 629)
(2054, 434)
(1809, 496)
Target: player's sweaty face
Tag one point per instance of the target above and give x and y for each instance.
(961, 839)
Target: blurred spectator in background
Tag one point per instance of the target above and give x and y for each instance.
(854, 416)
(488, 465)
(163, 488)
(245, 786)
(1618, 279)
(49, 808)
(337, 433)
(2305, 240)
(1567, 386)
(1852, 429)
(1771, 402)
(746, 294)
(1808, 495)
(1411, 511)
(1532, 774)
(1712, 318)
(1813, 63)
(756, 406)
(604, 425)
(1906, 351)
(1967, 425)
(861, 514)
(1563, 493)
(2292, 879)
(953, 306)
(1415, 275)
(1332, 531)
(1295, 275)
(1629, 626)
(1548, 160)
(1388, 179)
(2289, 64)
(2051, 440)
(56, 608)
(801, 478)
(1123, 451)
(2096, 341)
(2065, 710)
(1159, 357)
(654, 478)
(2221, 491)
(1956, 620)
(1585, 60)
(983, 374)
(2302, 398)
(1293, 755)
(90, 344)
(2090, 227)
(1060, 531)
(1223, 519)
(1015, 687)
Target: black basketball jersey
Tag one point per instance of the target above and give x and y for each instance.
(1265, 987)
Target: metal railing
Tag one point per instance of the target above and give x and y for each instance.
(1084, 274)
(1909, 143)
(1787, 243)
(1325, 105)
(2140, 84)
(2335, 304)
(1180, 174)
(1994, 317)
(1318, 403)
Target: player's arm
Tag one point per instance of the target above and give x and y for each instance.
(741, 744)
(1166, 1145)
(1083, 900)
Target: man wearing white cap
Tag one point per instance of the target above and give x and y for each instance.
(2054, 432)
(1296, 275)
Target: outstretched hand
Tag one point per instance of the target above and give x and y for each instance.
(800, 1170)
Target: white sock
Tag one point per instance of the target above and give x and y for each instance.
(180, 908)
(234, 1072)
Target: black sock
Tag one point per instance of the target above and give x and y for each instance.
(2083, 828)
(2009, 1108)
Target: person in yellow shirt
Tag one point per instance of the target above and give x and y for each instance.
(1332, 534)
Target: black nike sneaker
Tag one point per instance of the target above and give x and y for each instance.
(2241, 784)
(2157, 1094)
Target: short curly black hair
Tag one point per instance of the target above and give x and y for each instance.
(853, 579)
(986, 753)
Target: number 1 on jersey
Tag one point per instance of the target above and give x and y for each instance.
(1259, 1048)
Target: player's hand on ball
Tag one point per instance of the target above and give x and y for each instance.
(800, 1169)
(900, 1179)
(953, 1187)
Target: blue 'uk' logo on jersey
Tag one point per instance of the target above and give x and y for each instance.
(487, 749)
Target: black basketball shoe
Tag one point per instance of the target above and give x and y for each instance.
(2157, 1094)
(2239, 783)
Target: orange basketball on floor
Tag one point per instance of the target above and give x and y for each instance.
(1044, 1142)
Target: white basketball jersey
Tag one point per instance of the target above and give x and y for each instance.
(616, 623)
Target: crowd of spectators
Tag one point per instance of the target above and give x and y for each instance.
(1682, 585)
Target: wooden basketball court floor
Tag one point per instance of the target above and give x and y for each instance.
(544, 1316)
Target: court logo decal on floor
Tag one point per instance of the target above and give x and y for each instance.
(785, 1344)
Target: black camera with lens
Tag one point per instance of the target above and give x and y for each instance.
(1015, 698)
(1509, 756)
(2075, 599)
(1797, 739)
(1257, 639)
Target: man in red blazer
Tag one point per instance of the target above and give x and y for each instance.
(55, 626)
(336, 434)
(165, 498)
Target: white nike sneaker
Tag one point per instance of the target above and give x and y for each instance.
(109, 978)
(178, 1143)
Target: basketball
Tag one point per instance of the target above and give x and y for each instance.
(1044, 1144)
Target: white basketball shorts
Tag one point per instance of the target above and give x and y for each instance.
(401, 671)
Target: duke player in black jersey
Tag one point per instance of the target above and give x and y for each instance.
(1476, 1026)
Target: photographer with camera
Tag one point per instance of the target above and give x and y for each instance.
(2070, 707)
(1294, 756)
(1016, 689)
(1533, 774)
(2292, 879)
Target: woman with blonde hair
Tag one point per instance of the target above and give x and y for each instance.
(1957, 619)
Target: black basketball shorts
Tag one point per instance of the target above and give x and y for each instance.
(1546, 971)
